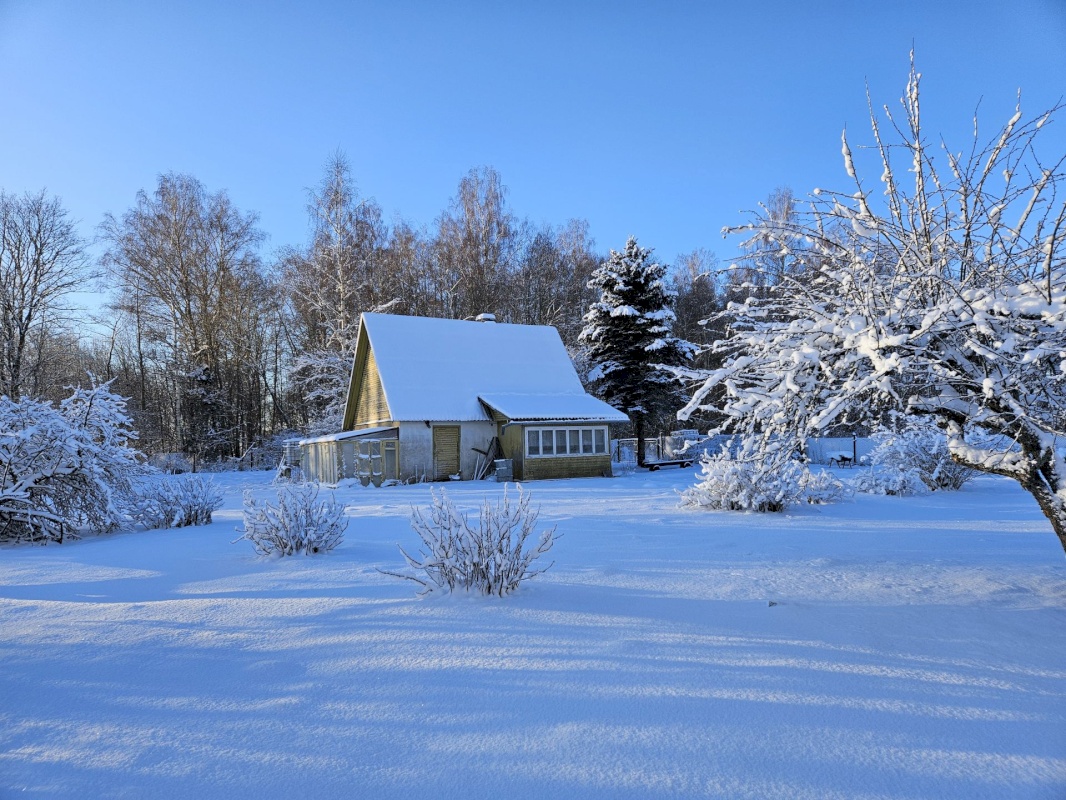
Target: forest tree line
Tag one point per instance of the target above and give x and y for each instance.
(219, 348)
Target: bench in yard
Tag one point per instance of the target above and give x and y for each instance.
(681, 462)
(841, 460)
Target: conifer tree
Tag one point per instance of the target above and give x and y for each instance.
(628, 332)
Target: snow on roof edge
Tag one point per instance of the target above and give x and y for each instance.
(552, 407)
(342, 435)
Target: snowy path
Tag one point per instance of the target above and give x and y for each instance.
(916, 649)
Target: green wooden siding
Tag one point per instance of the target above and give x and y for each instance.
(566, 467)
(513, 441)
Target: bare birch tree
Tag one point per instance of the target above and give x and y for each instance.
(341, 274)
(188, 276)
(476, 246)
(42, 261)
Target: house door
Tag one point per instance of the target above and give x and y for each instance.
(445, 451)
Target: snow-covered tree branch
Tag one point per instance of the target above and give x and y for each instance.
(946, 298)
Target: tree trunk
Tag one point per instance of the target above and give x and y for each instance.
(1039, 484)
(1039, 472)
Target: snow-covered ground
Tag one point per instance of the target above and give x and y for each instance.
(879, 648)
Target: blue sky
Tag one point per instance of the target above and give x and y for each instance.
(662, 120)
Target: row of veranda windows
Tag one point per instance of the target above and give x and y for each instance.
(565, 441)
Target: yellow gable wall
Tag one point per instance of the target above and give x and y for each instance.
(371, 406)
(366, 404)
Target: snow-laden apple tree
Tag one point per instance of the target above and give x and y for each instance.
(945, 295)
(628, 332)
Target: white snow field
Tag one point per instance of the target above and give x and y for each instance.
(878, 648)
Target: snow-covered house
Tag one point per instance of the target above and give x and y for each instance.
(439, 398)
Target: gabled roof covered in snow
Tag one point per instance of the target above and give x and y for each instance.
(442, 369)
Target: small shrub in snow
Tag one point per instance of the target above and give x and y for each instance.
(891, 481)
(822, 488)
(176, 503)
(170, 463)
(299, 523)
(923, 450)
(66, 469)
(757, 478)
(491, 558)
(754, 481)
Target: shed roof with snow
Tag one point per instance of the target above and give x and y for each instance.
(457, 370)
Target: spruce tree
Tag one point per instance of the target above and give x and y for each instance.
(629, 335)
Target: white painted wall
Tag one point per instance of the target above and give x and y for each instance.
(416, 447)
(474, 434)
(416, 451)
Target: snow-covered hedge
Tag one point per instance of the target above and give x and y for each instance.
(65, 470)
(753, 479)
(916, 451)
(299, 523)
(176, 502)
(491, 559)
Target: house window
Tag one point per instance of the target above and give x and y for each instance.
(565, 442)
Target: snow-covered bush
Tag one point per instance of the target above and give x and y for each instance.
(65, 470)
(170, 463)
(748, 483)
(822, 488)
(891, 481)
(756, 478)
(922, 449)
(491, 558)
(176, 503)
(299, 523)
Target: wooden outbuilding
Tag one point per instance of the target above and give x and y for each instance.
(444, 399)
